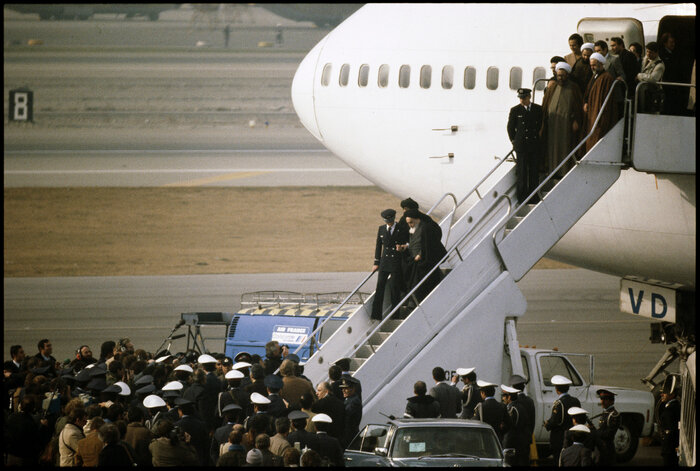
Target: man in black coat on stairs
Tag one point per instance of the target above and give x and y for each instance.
(387, 261)
(524, 123)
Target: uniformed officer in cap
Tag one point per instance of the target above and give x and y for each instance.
(277, 407)
(579, 416)
(329, 447)
(344, 365)
(670, 416)
(471, 395)
(560, 420)
(524, 123)
(387, 261)
(353, 409)
(517, 436)
(299, 434)
(608, 424)
(196, 427)
(577, 454)
(518, 382)
(491, 411)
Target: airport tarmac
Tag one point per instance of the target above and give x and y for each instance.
(120, 103)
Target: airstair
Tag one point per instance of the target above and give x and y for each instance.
(463, 321)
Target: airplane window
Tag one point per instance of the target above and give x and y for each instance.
(470, 78)
(404, 76)
(363, 76)
(344, 75)
(539, 73)
(426, 73)
(492, 78)
(447, 76)
(326, 75)
(383, 78)
(516, 78)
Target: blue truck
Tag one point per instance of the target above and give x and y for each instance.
(285, 316)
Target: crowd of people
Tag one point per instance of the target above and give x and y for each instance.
(543, 136)
(130, 407)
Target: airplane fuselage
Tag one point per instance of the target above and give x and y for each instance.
(416, 98)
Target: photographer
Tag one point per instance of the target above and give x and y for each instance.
(171, 447)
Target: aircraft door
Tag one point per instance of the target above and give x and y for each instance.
(595, 29)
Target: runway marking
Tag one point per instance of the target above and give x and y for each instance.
(216, 179)
(162, 151)
(173, 170)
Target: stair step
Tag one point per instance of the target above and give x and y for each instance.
(390, 325)
(356, 363)
(514, 221)
(378, 338)
(364, 351)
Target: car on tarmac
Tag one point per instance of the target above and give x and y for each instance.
(426, 442)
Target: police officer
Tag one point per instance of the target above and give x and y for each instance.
(353, 409)
(607, 426)
(524, 123)
(670, 416)
(491, 411)
(328, 446)
(517, 437)
(470, 393)
(593, 441)
(577, 454)
(387, 261)
(560, 421)
(518, 382)
(300, 435)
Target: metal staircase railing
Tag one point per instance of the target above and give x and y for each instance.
(465, 239)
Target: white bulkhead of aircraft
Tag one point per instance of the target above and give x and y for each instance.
(397, 84)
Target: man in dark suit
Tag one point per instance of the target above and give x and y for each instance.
(560, 420)
(195, 427)
(299, 434)
(447, 395)
(524, 123)
(353, 409)
(387, 261)
(330, 405)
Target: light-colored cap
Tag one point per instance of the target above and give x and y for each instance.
(464, 371)
(588, 46)
(241, 364)
(126, 390)
(576, 411)
(257, 398)
(580, 428)
(254, 457)
(322, 418)
(509, 390)
(234, 374)
(563, 65)
(163, 358)
(187, 368)
(173, 386)
(152, 400)
(485, 384)
(599, 57)
(206, 359)
(559, 380)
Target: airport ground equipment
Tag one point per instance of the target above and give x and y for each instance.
(463, 321)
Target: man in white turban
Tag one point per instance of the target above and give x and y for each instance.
(563, 119)
(593, 99)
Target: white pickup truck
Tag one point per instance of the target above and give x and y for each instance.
(635, 407)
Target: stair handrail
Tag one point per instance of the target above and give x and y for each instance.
(572, 154)
(450, 214)
(454, 248)
(330, 316)
(475, 189)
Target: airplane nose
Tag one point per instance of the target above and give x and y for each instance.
(303, 91)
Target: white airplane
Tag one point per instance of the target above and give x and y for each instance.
(465, 62)
(415, 97)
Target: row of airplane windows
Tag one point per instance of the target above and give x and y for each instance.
(425, 76)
